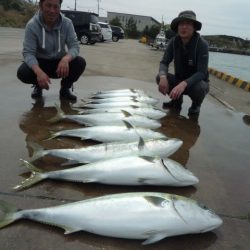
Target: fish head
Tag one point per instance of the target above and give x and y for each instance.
(169, 146)
(197, 217)
(183, 176)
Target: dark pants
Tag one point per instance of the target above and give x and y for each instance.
(76, 68)
(196, 92)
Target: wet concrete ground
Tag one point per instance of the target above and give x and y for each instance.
(215, 149)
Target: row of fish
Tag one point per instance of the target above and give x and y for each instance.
(132, 154)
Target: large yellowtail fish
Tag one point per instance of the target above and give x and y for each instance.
(147, 216)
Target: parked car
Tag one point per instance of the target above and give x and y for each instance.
(85, 24)
(160, 41)
(106, 31)
(117, 33)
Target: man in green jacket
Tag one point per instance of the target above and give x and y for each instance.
(45, 56)
(190, 54)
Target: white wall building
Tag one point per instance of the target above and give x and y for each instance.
(141, 21)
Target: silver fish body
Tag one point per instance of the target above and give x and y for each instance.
(110, 133)
(119, 104)
(155, 148)
(148, 216)
(151, 113)
(128, 170)
(109, 119)
(142, 99)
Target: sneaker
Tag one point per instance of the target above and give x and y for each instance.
(194, 110)
(66, 94)
(37, 92)
(173, 104)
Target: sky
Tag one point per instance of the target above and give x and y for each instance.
(218, 17)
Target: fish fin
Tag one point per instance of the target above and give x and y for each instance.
(52, 135)
(38, 150)
(9, 213)
(69, 230)
(82, 100)
(126, 113)
(141, 143)
(156, 201)
(35, 177)
(30, 166)
(134, 106)
(144, 180)
(154, 238)
(88, 180)
(70, 162)
(58, 117)
(128, 125)
(148, 158)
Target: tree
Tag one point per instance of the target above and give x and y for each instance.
(116, 22)
(131, 29)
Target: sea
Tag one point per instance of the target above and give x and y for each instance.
(231, 64)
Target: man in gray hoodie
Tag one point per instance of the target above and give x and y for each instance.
(44, 53)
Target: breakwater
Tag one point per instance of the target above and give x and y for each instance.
(230, 79)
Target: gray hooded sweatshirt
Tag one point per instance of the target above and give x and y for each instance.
(42, 43)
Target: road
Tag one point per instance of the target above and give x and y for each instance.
(215, 149)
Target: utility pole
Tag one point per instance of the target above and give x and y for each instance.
(98, 1)
(75, 5)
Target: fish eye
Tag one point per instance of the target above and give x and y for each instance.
(201, 205)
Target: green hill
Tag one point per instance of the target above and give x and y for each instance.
(16, 13)
(226, 42)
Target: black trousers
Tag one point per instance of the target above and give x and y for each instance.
(196, 92)
(76, 68)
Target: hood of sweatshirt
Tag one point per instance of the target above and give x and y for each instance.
(44, 42)
(39, 18)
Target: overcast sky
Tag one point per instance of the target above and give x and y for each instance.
(219, 17)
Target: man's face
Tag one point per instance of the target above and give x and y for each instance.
(186, 29)
(50, 11)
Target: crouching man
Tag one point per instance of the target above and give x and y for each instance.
(190, 54)
(45, 56)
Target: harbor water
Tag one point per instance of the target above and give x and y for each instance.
(231, 64)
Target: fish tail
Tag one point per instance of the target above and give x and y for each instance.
(52, 135)
(9, 212)
(58, 117)
(38, 151)
(35, 177)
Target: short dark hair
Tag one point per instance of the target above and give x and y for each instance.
(41, 1)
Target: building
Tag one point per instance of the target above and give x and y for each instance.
(141, 21)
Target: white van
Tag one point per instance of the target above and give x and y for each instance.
(106, 31)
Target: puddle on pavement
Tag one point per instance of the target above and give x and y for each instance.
(216, 148)
(219, 139)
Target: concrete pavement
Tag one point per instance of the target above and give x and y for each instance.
(216, 149)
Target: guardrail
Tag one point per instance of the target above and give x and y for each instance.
(231, 79)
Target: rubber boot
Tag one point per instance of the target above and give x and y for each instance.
(173, 104)
(65, 93)
(37, 92)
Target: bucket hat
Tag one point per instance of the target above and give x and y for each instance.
(187, 15)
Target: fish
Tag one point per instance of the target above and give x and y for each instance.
(156, 148)
(147, 216)
(119, 104)
(151, 113)
(128, 170)
(107, 119)
(142, 99)
(125, 133)
(119, 91)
